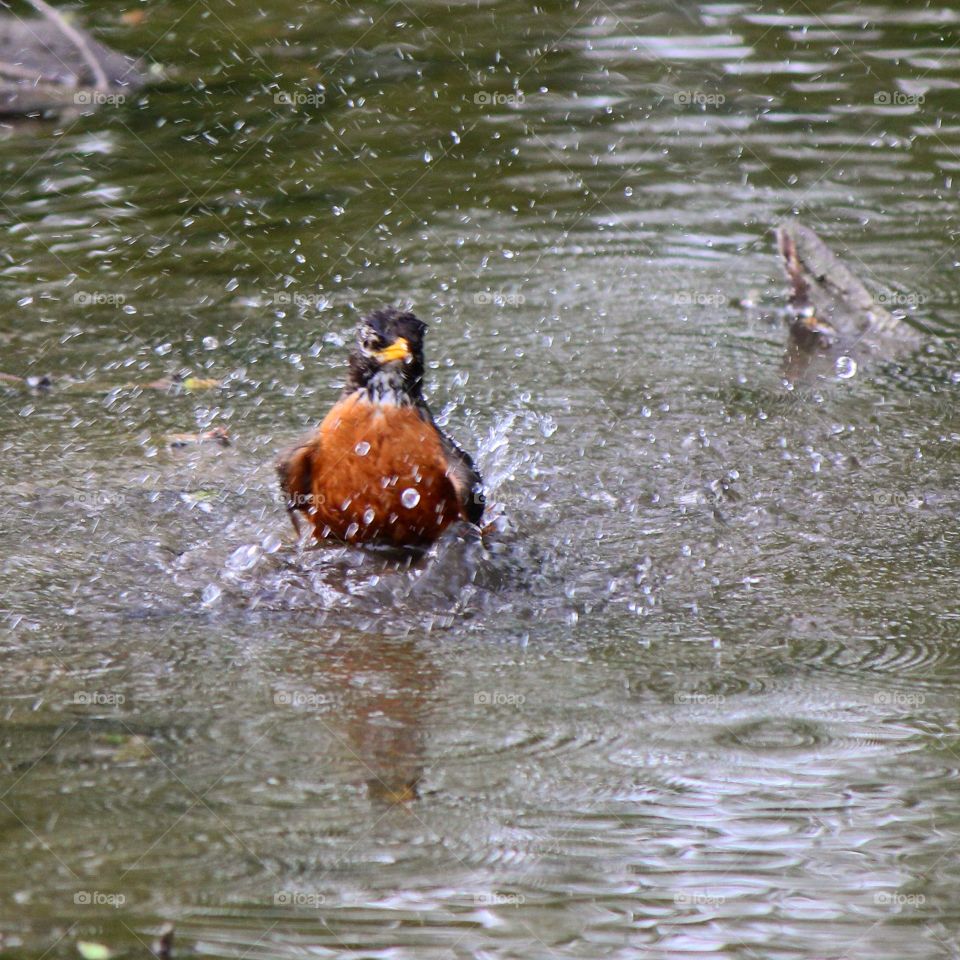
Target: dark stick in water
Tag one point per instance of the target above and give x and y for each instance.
(829, 301)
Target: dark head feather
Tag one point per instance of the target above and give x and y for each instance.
(376, 333)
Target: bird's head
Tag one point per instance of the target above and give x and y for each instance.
(387, 360)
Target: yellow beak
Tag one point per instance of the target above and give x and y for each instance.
(398, 350)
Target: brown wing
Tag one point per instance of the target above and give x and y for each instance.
(460, 468)
(466, 480)
(295, 469)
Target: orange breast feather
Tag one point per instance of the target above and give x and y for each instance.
(381, 476)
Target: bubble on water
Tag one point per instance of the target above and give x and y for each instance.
(628, 191)
(211, 594)
(846, 367)
(210, 343)
(548, 426)
(362, 448)
(352, 530)
(243, 558)
(410, 498)
(368, 516)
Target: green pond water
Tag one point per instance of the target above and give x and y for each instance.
(698, 698)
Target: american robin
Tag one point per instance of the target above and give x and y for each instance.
(379, 469)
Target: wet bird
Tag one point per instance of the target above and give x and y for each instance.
(378, 469)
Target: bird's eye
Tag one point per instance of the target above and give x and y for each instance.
(371, 343)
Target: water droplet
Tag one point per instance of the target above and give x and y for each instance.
(232, 284)
(243, 558)
(846, 367)
(410, 498)
(211, 594)
(628, 191)
(163, 349)
(368, 516)
(352, 530)
(427, 156)
(210, 343)
(362, 448)
(271, 543)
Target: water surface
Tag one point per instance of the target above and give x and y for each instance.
(698, 696)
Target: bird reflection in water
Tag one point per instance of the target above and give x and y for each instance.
(387, 686)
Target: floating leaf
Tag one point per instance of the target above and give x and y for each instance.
(135, 749)
(200, 383)
(184, 381)
(93, 951)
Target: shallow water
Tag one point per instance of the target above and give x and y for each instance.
(699, 693)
